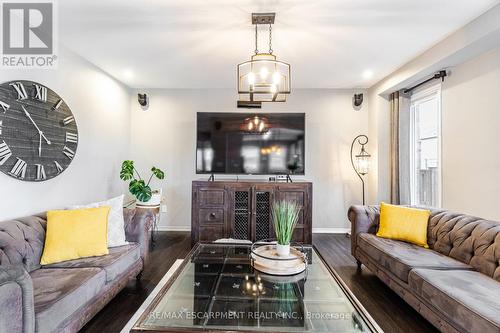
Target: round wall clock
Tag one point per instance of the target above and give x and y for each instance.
(38, 132)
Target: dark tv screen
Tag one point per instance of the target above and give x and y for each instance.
(226, 143)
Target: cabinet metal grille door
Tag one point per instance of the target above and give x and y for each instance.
(241, 214)
(262, 218)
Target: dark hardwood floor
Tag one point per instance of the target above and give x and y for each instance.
(389, 310)
(169, 247)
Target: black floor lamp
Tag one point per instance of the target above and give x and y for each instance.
(362, 163)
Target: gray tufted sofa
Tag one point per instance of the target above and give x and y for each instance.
(455, 284)
(62, 297)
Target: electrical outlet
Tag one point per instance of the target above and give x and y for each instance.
(163, 208)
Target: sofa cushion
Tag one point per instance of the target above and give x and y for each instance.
(468, 298)
(59, 292)
(118, 261)
(74, 234)
(404, 224)
(116, 227)
(400, 257)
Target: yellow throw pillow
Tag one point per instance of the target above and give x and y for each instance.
(73, 234)
(403, 223)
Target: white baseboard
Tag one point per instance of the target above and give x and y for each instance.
(314, 230)
(331, 230)
(173, 228)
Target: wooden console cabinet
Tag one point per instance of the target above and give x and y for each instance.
(242, 209)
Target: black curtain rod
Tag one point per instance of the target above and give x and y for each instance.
(439, 75)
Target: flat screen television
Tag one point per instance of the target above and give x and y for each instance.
(249, 143)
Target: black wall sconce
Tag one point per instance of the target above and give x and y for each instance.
(143, 100)
(357, 101)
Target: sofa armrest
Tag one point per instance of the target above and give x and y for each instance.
(137, 225)
(364, 219)
(17, 312)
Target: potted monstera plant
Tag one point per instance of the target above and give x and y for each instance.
(285, 216)
(138, 187)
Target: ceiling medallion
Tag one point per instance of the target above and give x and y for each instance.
(263, 78)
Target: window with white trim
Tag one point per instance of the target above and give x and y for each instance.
(425, 142)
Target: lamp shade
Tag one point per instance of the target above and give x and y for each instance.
(363, 162)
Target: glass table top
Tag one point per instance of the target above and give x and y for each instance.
(217, 289)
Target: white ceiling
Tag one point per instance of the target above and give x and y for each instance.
(198, 43)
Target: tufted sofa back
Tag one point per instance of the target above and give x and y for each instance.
(22, 241)
(469, 239)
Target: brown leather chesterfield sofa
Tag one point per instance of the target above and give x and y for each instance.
(455, 284)
(62, 297)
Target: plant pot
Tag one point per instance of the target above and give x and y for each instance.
(154, 201)
(283, 250)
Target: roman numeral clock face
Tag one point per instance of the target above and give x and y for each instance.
(38, 132)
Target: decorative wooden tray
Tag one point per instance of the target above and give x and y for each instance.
(265, 259)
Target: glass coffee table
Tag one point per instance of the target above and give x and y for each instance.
(216, 289)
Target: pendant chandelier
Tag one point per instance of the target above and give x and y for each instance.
(263, 78)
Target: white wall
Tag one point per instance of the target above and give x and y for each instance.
(455, 53)
(471, 137)
(165, 134)
(101, 107)
(470, 133)
(379, 134)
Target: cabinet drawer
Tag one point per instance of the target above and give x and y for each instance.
(211, 198)
(210, 233)
(211, 215)
(299, 197)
